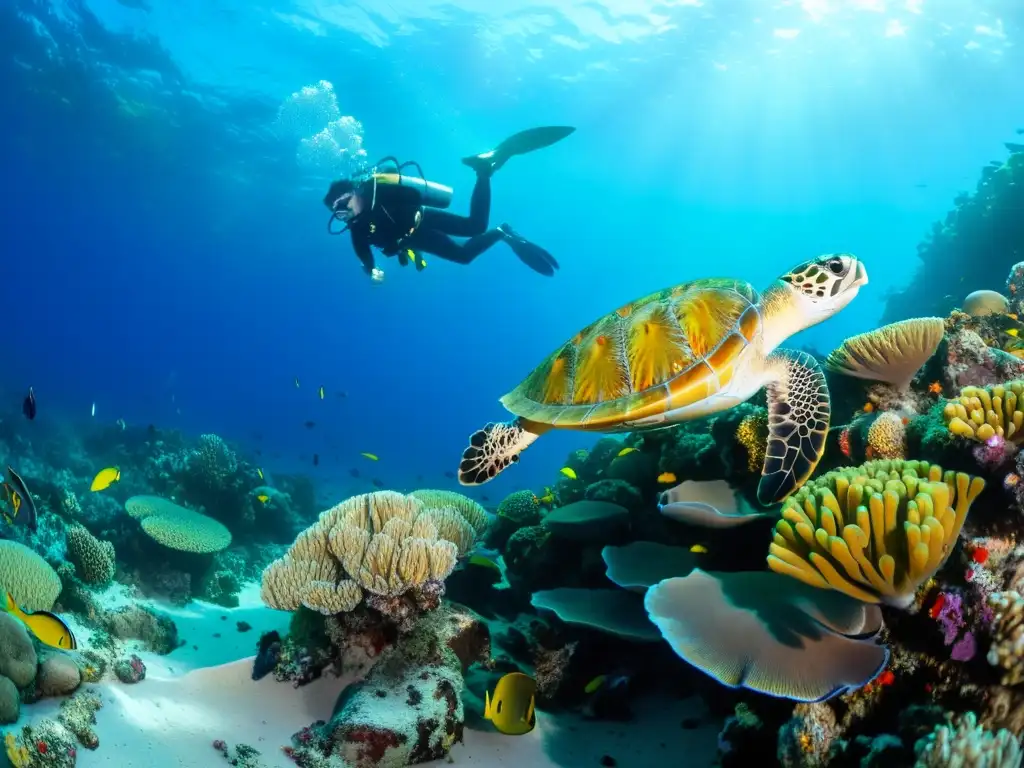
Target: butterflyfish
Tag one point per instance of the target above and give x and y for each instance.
(371, 456)
(20, 507)
(568, 472)
(105, 478)
(512, 707)
(48, 627)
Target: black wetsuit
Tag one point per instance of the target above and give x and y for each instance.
(392, 226)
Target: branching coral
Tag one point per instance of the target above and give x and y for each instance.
(1007, 649)
(93, 559)
(887, 437)
(752, 434)
(384, 543)
(965, 744)
(981, 413)
(213, 461)
(875, 532)
(893, 353)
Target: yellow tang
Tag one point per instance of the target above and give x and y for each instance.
(512, 708)
(666, 477)
(321, 391)
(625, 451)
(568, 472)
(105, 478)
(48, 627)
(371, 456)
(263, 498)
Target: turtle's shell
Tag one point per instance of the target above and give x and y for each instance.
(656, 354)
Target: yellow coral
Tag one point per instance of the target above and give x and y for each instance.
(752, 434)
(980, 413)
(874, 532)
(384, 543)
(887, 437)
(17, 753)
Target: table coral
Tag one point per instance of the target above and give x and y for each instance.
(875, 532)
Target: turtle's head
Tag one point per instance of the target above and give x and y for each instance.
(823, 286)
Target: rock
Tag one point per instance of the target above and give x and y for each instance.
(18, 658)
(58, 675)
(10, 704)
(408, 709)
(130, 670)
(135, 622)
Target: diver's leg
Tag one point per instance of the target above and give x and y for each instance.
(464, 226)
(442, 245)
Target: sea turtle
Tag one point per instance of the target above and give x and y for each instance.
(680, 354)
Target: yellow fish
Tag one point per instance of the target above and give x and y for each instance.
(259, 472)
(48, 627)
(625, 452)
(666, 477)
(321, 392)
(568, 472)
(594, 684)
(699, 549)
(547, 498)
(512, 708)
(371, 456)
(105, 478)
(263, 498)
(484, 562)
(1013, 332)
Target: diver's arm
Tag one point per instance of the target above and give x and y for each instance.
(363, 251)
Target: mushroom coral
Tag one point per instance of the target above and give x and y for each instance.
(874, 532)
(893, 353)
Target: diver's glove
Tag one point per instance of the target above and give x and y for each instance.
(377, 275)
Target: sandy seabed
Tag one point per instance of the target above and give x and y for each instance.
(203, 691)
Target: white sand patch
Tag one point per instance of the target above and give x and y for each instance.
(204, 691)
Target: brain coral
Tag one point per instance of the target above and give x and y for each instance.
(176, 527)
(33, 584)
(887, 437)
(383, 542)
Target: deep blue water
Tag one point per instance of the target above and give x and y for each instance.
(165, 250)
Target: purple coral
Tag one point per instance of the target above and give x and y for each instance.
(965, 648)
(950, 616)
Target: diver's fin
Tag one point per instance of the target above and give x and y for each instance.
(532, 255)
(520, 143)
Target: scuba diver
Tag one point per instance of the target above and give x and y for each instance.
(403, 215)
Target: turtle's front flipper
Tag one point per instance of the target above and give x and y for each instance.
(798, 415)
(492, 449)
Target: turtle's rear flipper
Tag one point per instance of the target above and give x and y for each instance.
(491, 450)
(798, 415)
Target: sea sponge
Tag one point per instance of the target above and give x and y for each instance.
(893, 353)
(33, 584)
(1007, 649)
(874, 532)
(887, 437)
(383, 542)
(93, 559)
(521, 507)
(966, 744)
(473, 513)
(981, 413)
(178, 528)
(752, 434)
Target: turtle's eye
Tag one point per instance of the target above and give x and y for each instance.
(835, 266)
